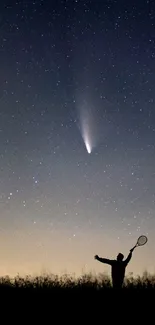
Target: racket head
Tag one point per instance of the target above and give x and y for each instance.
(142, 240)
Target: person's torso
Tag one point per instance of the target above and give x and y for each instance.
(118, 270)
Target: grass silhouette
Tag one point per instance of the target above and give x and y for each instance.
(66, 298)
(86, 282)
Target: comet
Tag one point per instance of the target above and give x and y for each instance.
(86, 127)
(87, 140)
(93, 129)
(88, 147)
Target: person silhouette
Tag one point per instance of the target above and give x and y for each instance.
(118, 267)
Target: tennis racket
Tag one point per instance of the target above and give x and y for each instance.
(142, 240)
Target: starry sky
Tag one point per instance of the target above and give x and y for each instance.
(76, 73)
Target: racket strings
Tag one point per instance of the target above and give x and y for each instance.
(142, 240)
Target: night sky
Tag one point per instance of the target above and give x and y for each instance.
(77, 134)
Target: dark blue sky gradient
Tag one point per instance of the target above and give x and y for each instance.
(60, 205)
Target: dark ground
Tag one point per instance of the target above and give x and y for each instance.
(88, 299)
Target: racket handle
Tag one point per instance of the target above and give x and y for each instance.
(132, 249)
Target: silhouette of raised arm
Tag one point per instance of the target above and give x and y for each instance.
(128, 258)
(103, 260)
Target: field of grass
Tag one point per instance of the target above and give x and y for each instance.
(66, 297)
(86, 282)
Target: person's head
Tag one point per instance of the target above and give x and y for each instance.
(120, 257)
